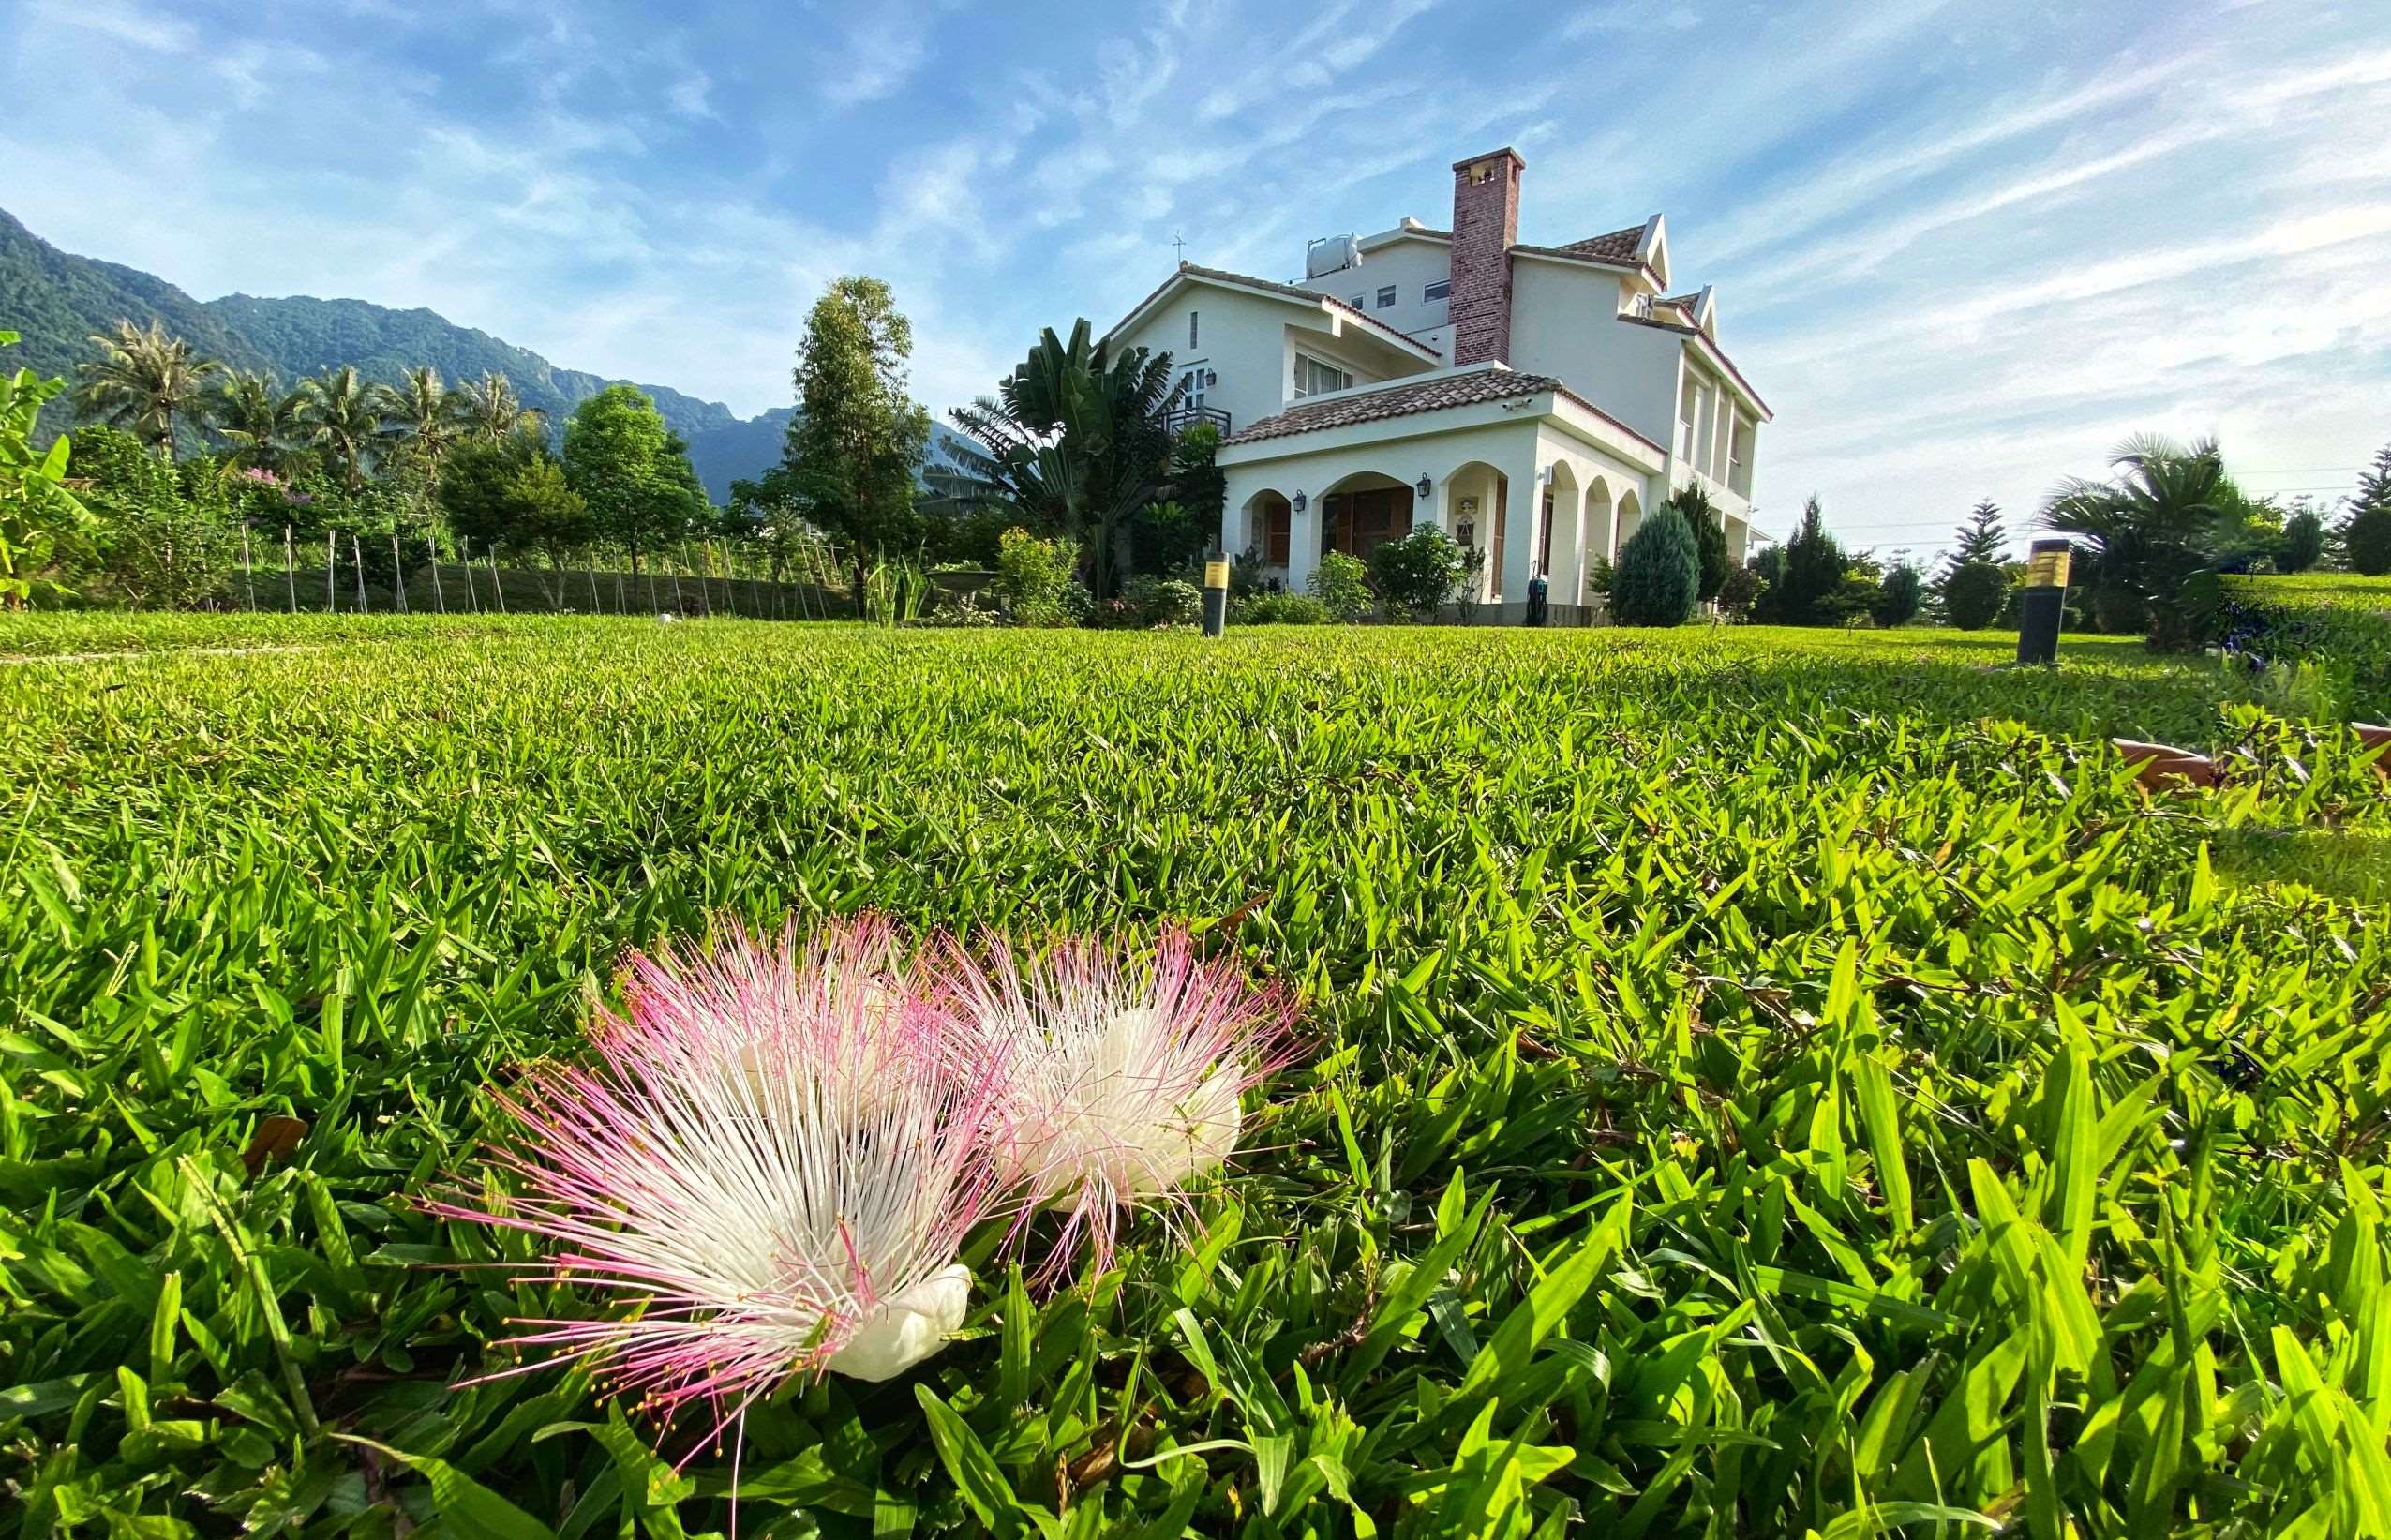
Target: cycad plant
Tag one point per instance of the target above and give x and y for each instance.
(148, 382)
(2151, 529)
(1076, 444)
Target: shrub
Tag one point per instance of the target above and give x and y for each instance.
(1898, 596)
(1342, 583)
(2302, 544)
(1418, 573)
(1162, 601)
(1659, 572)
(1973, 595)
(1710, 536)
(1598, 575)
(1034, 578)
(1279, 610)
(1740, 594)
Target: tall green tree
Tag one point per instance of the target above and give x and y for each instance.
(1809, 586)
(2152, 530)
(853, 455)
(2366, 534)
(349, 421)
(618, 457)
(147, 382)
(1898, 595)
(1702, 520)
(488, 410)
(513, 495)
(1981, 537)
(1077, 446)
(265, 425)
(2302, 544)
(426, 415)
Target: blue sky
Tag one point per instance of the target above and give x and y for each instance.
(1962, 246)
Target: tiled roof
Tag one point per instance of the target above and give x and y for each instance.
(1451, 390)
(1618, 246)
(1683, 302)
(1189, 270)
(1474, 388)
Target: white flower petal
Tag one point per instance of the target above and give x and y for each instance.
(908, 1327)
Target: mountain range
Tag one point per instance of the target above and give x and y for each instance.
(59, 301)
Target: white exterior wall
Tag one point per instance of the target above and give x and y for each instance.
(1410, 267)
(1454, 449)
(1240, 336)
(1564, 322)
(1250, 341)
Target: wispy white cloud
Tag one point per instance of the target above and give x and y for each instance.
(1959, 247)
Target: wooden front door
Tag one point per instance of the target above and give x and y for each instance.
(1358, 523)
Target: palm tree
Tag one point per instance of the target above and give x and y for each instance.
(426, 413)
(265, 425)
(145, 381)
(488, 410)
(348, 418)
(2153, 528)
(1076, 443)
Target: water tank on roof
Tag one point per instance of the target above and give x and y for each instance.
(1331, 254)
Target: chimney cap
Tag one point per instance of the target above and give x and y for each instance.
(1468, 161)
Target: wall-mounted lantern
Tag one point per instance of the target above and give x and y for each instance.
(1298, 503)
(1423, 487)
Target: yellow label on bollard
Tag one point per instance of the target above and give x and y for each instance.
(1215, 575)
(2047, 570)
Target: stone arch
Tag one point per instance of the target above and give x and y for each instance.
(1362, 510)
(1600, 527)
(1560, 552)
(1474, 499)
(1631, 517)
(1267, 524)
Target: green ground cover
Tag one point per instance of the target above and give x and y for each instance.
(1758, 1082)
(2330, 630)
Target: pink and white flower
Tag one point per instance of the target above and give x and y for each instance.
(1122, 1078)
(777, 1156)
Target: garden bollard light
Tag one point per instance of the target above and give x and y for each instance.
(1215, 595)
(2043, 604)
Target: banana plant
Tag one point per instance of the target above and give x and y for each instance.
(34, 499)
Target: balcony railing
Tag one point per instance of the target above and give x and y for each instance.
(1181, 418)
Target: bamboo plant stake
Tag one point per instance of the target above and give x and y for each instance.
(357, 553)
(465, 560)
(397, 572)
(431, 552)
(490, 550)
(331, 572)
(289, 571)
(248, 577)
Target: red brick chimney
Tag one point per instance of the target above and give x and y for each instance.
(1485, 222)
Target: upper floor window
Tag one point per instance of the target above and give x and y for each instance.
(1359, 302)
(1438, 290)
(1192, 328)
(1312, 377)
(1386, 296)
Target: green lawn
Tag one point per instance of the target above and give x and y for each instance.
(1756, 1082)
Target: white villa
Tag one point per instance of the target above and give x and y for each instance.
(1533, 400)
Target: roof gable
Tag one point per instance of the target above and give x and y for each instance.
(1190, 273)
